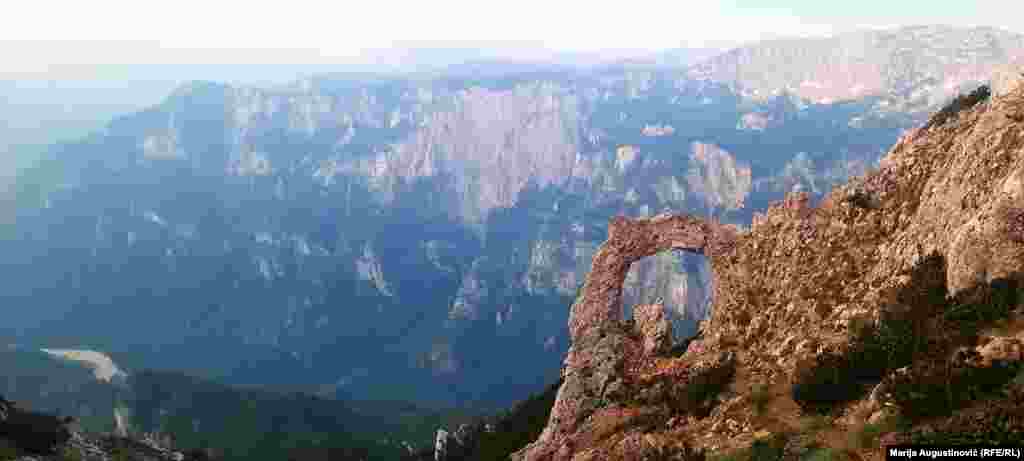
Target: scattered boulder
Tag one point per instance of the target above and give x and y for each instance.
(4, 406)
(1013, 220)
(859, 199)
(441, 441)
(652, 323)
(1001, 350)
(460, 445)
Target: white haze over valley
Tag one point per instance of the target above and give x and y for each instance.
(103, 367)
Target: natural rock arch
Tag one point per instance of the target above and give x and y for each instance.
(677, 281)
(595, 359)
(630, 240)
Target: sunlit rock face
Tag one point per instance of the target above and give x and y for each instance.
(368, 267)
(717, 178)
(493, 144)
(472, 294)
(1008, 78)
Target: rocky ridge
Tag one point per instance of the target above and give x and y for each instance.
(896, 65)
(26, 435)
(930, 243)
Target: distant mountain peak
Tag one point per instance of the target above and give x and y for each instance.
(917, 67)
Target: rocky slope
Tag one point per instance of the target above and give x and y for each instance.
(27, 435)
(889, 311)
(437, 225)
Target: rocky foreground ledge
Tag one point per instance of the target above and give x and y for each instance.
(26, 435)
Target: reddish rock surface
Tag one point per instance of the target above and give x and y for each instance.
(601, 348)
(788, 292)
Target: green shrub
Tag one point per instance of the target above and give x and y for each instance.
(935, 387)
(814, 424)
(876, 349)
(738, 455)
(768, 449)
(698, 397)
(984, 304)
(760, 395)
(837, 378)
(7, 451)
(1019, 380)
(70, 454)
(994, 436)
(520, 426)
(825, 454)
(865, 436)
(118, 453)
(996, 427)
(938, 391)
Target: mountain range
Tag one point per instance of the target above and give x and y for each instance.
(421, 236)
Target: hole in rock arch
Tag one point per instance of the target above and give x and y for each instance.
(682, 280)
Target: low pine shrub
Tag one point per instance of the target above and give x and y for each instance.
(814, 424)
(70, 454)
(767, 449)
(971, 309)
(895, 341)
(8, 452)
(760, 395)
(865, 436)
(959, 104)
(929, 391)
(826, 454)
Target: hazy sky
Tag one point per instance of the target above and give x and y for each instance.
(308, 31)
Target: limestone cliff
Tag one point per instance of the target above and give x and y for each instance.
(892, 307)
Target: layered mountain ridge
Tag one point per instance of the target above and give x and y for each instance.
(900, 65)
(438, 225)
